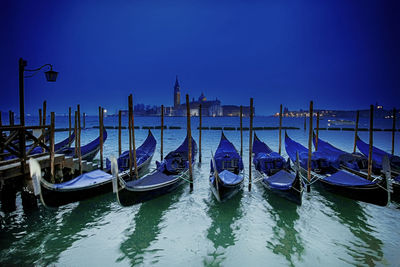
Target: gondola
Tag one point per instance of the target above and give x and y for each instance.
(88, 151)
(341, 159)
(227, 175)
(276, 173)
(169, 175)
(377, 156)
(353, 185)
(359, 162)
(87, 185)
(147, 148)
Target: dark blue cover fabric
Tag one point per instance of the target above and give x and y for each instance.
(155, 178)
(281, 180)
(166, 170)
(318, 159)
(292, 147)
(85, 180)
(226, 156)
(265, 160)
(260, 147)
(343, 178)
(143, 152)
(70, 151)
(377, 154)
(229, 178)
(397, 179)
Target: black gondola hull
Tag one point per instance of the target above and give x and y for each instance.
(225, 192)
(373, 194)
(56, 197)
(128, 197)
(294, 193)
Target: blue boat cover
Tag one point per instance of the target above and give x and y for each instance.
(155, 178)
(226, 156)
(86, 149)
(228, 178)
(85, 180)
(318, 159)
(143, 152)
(281, 180)
(166, 170)
(260, 147)
(377, 154)
(265, 160)
(397, 179)
(342, 178)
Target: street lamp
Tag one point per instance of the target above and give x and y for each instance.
(51, 76)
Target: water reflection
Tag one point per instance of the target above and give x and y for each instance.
(147, 227)
(286, 240)
(366, 249)
(221, 231)
(39, 237)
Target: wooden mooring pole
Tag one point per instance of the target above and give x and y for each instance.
(250, 140)
(371, 127)
(394, 129)
(40, 116)
(162, 133)
(189, 136)
(44, 112)
(129, 134)
(317, 132)
(133, 138)
(119, 133)
(200, 125)
(280, 129)
(84, 120)
(69, 125)
(241, 131)
(76, 134)
(52, 121)
(79, 139)
(356, 131)
(101, 135)
(310, 147)
(11, 118)
(305, 122)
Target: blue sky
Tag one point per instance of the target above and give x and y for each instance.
(341, 54)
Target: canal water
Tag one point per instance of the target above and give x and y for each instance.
(186, 228)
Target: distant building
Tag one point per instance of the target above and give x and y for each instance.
(209, 108)
(177, 93)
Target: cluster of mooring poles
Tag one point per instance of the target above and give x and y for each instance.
(21, 133)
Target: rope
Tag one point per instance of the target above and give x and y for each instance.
(181, 177)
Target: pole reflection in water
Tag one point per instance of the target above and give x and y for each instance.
(51, 231)
(286, 241)
(147, 227)
(366, 248)
(221, 231)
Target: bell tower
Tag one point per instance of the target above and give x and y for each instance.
(177, 93)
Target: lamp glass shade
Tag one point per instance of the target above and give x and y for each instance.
(51, 76)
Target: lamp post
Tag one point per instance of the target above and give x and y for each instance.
(51, 76)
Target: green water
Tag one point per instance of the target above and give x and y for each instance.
(187, 228)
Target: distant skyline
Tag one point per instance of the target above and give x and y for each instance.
(341, 54)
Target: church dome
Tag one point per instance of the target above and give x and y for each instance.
(202, 98)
